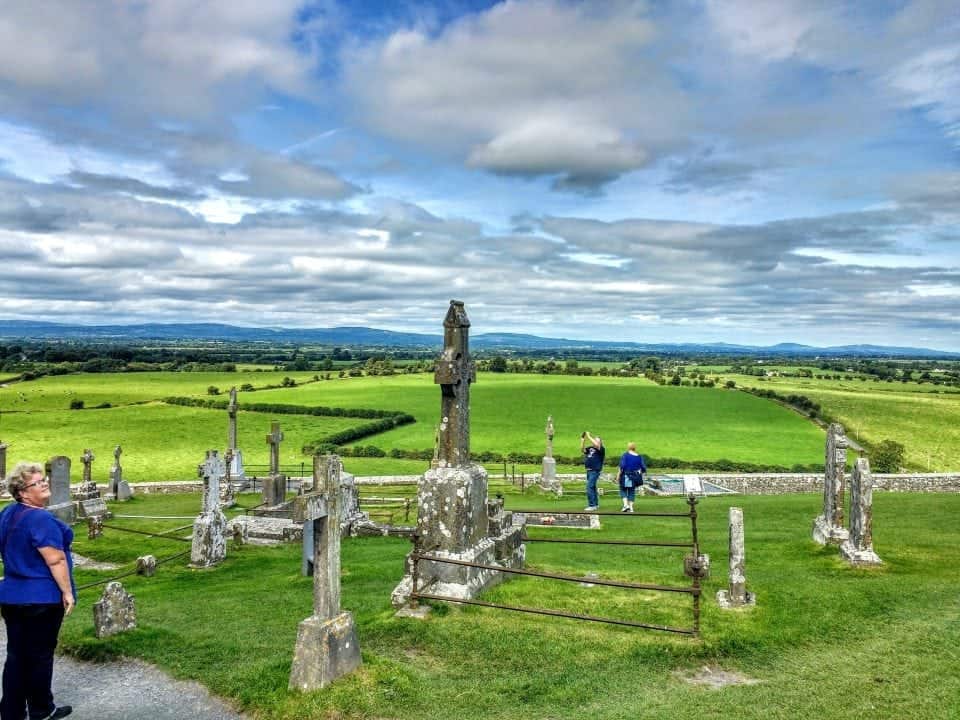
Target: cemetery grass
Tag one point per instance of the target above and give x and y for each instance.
(825, 640)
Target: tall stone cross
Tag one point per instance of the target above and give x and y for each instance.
(3, 459)
(209, 544)
(232, 424)
(117, 451)
(273, 440)
(549, 435)
(211, 470)
(87, 459)
(455, 371)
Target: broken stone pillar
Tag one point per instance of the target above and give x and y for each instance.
(58, 471)
(828, 527)
(3, 459)
(94, 526)
(736, 595)
(209, 529)
(858, 548)
(548, 474)
(327, 645)
(452, 513)
(275, 485)
(146, 565)
(227, 495)
(115, 612)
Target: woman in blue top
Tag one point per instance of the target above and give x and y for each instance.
(630, 476)
(35, 593)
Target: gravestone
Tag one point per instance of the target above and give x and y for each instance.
(327, 645)
(274, 486)
(88, 488)
(89, 504)
(209, 545)
(119, 488)
(352, 519)
(858, 548)
(58, 471)
(3, 460)
(235, 461)
(227, 494)
(452, 511)
(146, 565)
(115, 612)
(736, 595)
(94, 526)
(548, 474)
(828, 526)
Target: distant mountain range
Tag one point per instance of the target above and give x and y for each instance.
(371, 337)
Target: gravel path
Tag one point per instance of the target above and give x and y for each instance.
(129, 689)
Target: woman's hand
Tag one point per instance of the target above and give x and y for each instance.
(68, 603)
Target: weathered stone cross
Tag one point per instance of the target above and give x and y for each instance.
(232, 426)
(87, 458)
(455, 371)
(273, 440)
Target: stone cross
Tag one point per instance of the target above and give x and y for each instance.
(232, 422)
(858, 548)
(454, 373)
(87, 458)
(211, 470)
(828, 527)
(3, 459)
(273, 440)
(327, 645)
(209, 546)
(549, 431)
(736, 595)
(117, 451)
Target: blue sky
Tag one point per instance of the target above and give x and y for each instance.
(753, 172)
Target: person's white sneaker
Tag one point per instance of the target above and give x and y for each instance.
(590, 507)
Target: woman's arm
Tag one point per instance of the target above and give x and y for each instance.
(56, 562)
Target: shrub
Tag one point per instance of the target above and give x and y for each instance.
(76, 404)
(887, 457)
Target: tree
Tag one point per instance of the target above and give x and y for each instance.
(887, 457)
(213, 390)
(498, 364)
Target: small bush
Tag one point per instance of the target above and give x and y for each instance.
(76, 404)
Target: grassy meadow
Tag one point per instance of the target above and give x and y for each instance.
(508, 414)
(825, 640)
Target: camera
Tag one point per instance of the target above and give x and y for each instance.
(583, 435)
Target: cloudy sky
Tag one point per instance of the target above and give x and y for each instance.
(702, 170)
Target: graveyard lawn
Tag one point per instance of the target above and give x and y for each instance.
(825, 640)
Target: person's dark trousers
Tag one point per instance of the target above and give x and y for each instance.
(28, 673)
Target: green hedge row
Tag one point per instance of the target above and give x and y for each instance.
(279, 409)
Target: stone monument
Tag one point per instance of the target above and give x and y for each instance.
(548, 475)
(228, 496)
(274, 486)
(209, 529)
(3, 461)
(235, 463)
(58, 471)
(828, 527)
(858, 548)
(89, 503)
(353, 521)
(327, 645)
(115, 612)
(119, 488)
(736, 595)
(452, 511)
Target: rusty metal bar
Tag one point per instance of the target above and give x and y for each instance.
(692, 502)
(129, 572)
(555, 511)
(556, 613)
(554, 576)
(144, 532)
(610, 542)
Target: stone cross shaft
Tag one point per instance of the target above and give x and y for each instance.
(3, 459)
(454, 373)
(273, 440)
(232, 424)
(117, 452)
(549, 431)
(834, 471)
(211, 470)
(326, 539)
(87, 458)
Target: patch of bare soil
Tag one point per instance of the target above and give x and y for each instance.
(716, 678)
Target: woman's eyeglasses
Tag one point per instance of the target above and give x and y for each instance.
(41, 481)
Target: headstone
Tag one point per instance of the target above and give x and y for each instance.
(736, 595)
(61, 505)
(115, 612)
(327, 645)
(209, 529)
(227, 494)
(351, 516)
(452, 510)
(828, 526)
(146, 565)
(94, 526)
(235, 461)
(858, 548)
(88, 488)
(274, 486)
(548, 474)
(119, 488)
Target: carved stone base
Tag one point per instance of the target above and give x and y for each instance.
(854, 556)
(731, 601)
(92, 507)
(325, 650)
(548, 477)
(124, 491)
(209, 540)
(274, 490)
(65, 511)
(826, 533)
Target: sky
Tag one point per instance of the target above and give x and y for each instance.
(736, 171)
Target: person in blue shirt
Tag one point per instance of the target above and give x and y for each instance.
(630, 476)
(593, 455)
(36, 592)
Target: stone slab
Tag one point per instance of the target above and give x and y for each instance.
(325, 651)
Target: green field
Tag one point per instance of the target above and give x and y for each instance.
(508, 414)
(824, 640)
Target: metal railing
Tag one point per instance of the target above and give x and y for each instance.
(693, 568)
